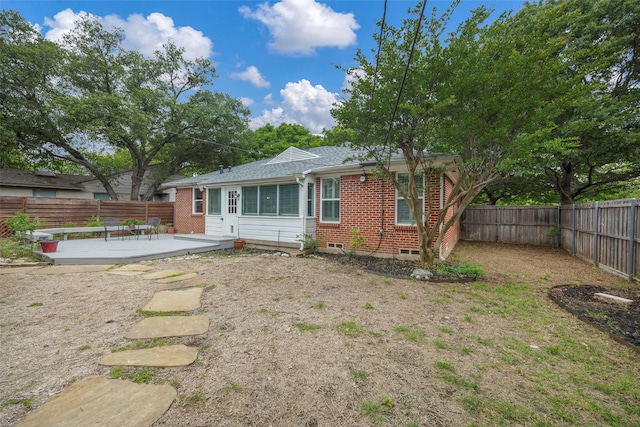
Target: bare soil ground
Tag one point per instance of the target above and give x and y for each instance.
(313, 342)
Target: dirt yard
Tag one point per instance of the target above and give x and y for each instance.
(311, 342)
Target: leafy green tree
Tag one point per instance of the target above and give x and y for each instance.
(478, 97)
(269, 141)
(88, 98)
(598, 118)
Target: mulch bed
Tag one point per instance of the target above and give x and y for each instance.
(622, 323)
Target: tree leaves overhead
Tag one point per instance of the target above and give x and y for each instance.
(89, 95)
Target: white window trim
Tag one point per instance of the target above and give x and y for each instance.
(399, 196)
(194, 200)
(322, 199)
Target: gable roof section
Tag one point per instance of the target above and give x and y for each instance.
(285, 165)
(319, 160)
(292, 154)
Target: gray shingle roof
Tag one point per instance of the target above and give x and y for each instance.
(325, 157)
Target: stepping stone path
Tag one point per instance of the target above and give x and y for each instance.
(169, 326)
(97, 401)
(167, 356)
(101, 402)
(181, 300)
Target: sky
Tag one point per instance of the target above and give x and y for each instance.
(283, 59)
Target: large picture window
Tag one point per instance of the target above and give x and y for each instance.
(214, 201)
(197, 201)
(330, 200)
(271, 200)
(403, 213)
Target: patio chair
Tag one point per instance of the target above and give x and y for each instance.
(110, 222)
(154, 222)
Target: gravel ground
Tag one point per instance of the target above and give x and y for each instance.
(293, 341)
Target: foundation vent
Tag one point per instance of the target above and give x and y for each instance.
(404, 251)
(335, 245)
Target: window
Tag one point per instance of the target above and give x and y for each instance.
(311, 198)
(330, 200)
(214, 202)
(197, 201)
(44, 193)
(101, 196)
(250, 200)
(288, 196)
(271, 200)
(268, 200)
(403, 213)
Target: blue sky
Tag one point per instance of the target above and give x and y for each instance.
(279, 57)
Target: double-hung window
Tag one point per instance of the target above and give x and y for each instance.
(403, 213)
(330, 200)
(311, 199)
(197, 201)
(214, 201)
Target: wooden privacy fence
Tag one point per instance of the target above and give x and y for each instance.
(605, 233)
(55, 213)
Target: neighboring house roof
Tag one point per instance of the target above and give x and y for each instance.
(41, 179)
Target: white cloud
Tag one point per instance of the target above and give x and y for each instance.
(302, 103)
(301, 26)
(145, 35)
(351, 76)
(252, 75)
(247, 102)
(275, 117)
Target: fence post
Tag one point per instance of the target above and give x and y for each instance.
(632, 239)
(573, 230)
(595, 235)
(497, 223)
(559, 226)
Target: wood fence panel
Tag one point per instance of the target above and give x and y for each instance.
(607, 234)
(479, 224)
(56, 213)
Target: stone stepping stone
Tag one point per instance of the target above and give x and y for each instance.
(182, 300)
(163, 357)
(169, 326)
(162, 274)
(97, 401)
(130, 270)
(173, 279)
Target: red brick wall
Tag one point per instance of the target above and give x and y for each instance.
(369, 207)
(452, 235)
(186, 221)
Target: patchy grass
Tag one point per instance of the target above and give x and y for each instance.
(410, 334)
(303, 326)
(350, 329)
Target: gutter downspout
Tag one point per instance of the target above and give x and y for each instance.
(304, 222)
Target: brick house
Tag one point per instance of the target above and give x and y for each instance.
(320, 192)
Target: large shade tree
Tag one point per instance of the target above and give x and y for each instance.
(88, 96)
(598, 116)
(479, 97)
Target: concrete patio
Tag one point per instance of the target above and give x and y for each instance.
(117, 251)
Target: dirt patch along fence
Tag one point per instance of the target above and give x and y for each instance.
(56, 213)
(605, 233)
